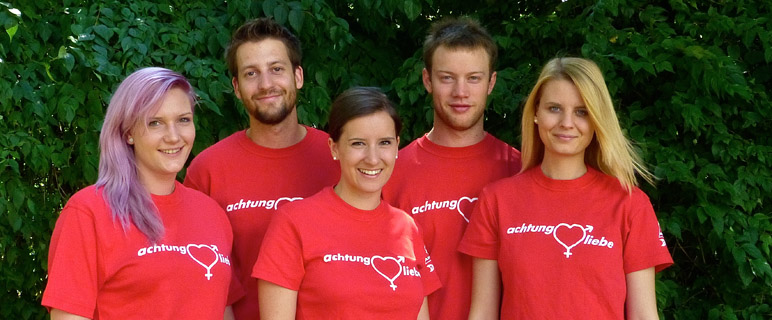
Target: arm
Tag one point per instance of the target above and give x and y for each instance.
(276, 302)
(57, 314)
(641, 302)
(486, 290)
(229, 313)
(423, 314)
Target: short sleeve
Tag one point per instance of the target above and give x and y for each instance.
(481, 239)
(281, 257)
(431, 282)
(644, 245)
(72, 264)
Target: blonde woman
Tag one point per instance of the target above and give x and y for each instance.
(571, 236)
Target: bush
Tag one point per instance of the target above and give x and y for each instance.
(690, 80)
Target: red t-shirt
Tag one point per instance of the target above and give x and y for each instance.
(347, 263)
(439, 185)
(250, 182)
(565, 246)
(96, 270)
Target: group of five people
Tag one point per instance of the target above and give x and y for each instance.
(453, 226)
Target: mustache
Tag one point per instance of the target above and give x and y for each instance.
(265, 93)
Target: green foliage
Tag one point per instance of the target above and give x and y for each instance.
(689, 78)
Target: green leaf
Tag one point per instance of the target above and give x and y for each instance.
(280, 14)
(14, 220)
(412, 9)
(11, 31)
(296, 19)
(104, 32)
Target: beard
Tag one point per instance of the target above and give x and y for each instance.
(272, 117)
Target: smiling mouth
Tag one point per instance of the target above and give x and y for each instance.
(370, 172)
(171, 151)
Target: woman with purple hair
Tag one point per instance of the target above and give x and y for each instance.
(138, 244)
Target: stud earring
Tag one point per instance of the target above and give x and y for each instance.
(396, 157)
(536, 121)
(334, 158)
(131, 140)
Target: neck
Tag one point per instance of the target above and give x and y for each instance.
(449, 137)
(159, 186)
(281, 135)
(359, 201)
(563, 168)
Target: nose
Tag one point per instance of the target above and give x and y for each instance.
(567, 120)
(172, 134)
(371, 157)
(461, 89)
(264, 81)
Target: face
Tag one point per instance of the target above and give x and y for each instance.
(163, 143)
(367, 150)
(460, 82)
(266, 82)
(563, 120)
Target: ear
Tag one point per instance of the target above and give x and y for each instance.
(298, 77)
(235, 83)
(427, 79)
(333, 148)
(492, 82)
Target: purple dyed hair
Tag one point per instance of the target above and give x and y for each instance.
(137, 98)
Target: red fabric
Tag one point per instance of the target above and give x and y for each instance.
(438, 186)
(347, 263)
(565, 246)
(95, 270)
(250, 182)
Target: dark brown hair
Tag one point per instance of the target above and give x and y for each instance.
(256, 30)
(359, 102)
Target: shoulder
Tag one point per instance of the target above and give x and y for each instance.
(197, 198)
(316, 134)
(88, 199)
(216, 151)
(302, 206)
(502, 147)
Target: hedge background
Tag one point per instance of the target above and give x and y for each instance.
(690, 79)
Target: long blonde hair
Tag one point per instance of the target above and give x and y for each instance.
(610, 151)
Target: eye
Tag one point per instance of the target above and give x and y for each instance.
(582, 112)
(475, 79)
(186, 119)
(154, 123)
(277, 69)
(357, 144)
(250, 74)
(446, 78)
(553, 108)
(386, 142)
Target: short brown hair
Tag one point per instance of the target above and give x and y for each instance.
(455, 33)
(256, 30)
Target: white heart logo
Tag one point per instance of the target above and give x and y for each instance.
(458, 207)
(569, 247)
(383, 262)
(202, 254)
(276, 206)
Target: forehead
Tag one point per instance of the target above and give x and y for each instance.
(268, 50)
(375, 124)
(460, 58)
(173, 102)
(562, 91)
